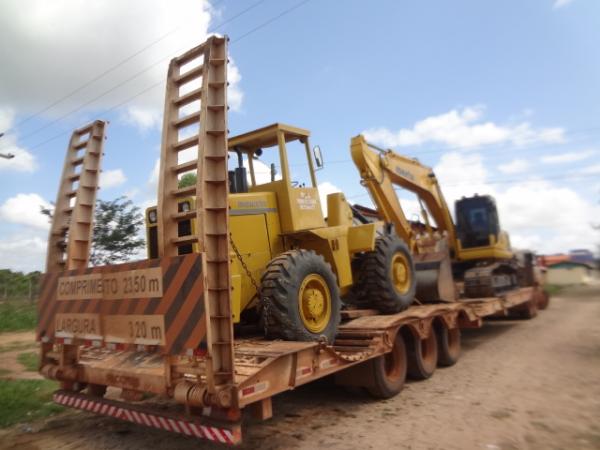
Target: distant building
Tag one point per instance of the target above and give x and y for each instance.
(582, 256)
(568, 272)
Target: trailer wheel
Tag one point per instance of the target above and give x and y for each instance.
(301, 297)
(543, 300)
(388, 372)
(529, 310)
(448, 342)
(385, 277)
(422, 356)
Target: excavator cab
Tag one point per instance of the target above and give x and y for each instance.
(477, 221)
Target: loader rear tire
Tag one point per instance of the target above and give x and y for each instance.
(388, 371)
(448, 343)
(422, 356)
(385, 277)
(301, 298)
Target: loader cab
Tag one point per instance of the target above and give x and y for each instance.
(477, 221)
(278, 159)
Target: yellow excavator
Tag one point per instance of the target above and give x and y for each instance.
(474, 251)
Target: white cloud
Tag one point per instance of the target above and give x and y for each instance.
(536, 213)
(235, 96)
(560, 3)
(24, 209)
(464, 129)
(23, 253)
(591, 170)
(567, 157)
(31, 28)
(112, 178)
(143, 118)
(515, 166)
(23, 161)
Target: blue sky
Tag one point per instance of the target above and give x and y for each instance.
(500, 97)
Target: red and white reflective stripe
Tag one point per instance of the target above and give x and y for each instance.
(180, 426)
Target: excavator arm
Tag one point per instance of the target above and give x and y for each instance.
(381, 170)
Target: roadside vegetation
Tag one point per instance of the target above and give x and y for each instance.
(17, 315)
(553, 289)
(26, 400)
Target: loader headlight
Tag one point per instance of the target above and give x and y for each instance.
(152, 216)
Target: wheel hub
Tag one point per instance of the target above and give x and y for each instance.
(400, 273)
(315, 303)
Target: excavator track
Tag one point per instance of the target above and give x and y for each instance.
(490, 279)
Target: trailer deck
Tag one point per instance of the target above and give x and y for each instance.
(263, 368)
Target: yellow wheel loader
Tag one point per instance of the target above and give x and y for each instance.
(290, 267)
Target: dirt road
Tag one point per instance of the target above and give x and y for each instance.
(519, 385)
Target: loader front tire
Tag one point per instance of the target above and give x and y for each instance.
(301, 300)
(385, 277)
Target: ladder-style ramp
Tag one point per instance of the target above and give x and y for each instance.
(195, 141)
(70, 237)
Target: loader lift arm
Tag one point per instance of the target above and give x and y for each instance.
(381, 170)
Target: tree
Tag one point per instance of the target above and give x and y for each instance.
(189, 179)
(115, 237)
(116, 231)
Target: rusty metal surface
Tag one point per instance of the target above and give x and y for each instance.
(414, 312)
(181, 304)
(140, 371)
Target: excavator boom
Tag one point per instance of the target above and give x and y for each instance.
(381, 170)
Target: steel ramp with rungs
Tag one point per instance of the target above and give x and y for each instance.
(72, 224)
(195, 124)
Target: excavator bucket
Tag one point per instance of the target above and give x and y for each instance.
(434, 275)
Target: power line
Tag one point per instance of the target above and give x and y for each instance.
(520, 180)
(135, 75)
(102, 74)
(273, 19)
(262, 25)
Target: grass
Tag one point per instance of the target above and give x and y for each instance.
(29, 360)
(26, 400)
(553, 289)
(17, 316)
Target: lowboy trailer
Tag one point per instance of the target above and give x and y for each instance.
(164, 326)
(140, 327)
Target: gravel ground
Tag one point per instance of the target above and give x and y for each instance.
(519, 385)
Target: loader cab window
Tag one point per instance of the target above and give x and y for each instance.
(477, 219)
(274, 153)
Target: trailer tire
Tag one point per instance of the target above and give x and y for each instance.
(422, 356)
(385, 277)
(448, 342)
(543, 300)
(301, 300)
(388, 371)
(530, 309)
